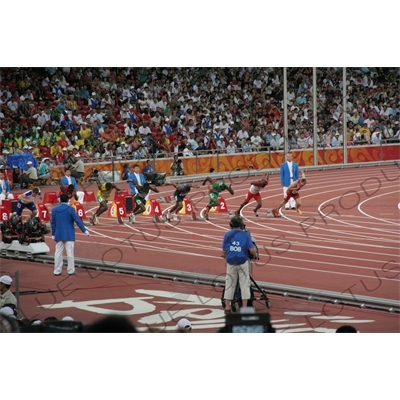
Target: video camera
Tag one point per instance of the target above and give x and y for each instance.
(55, 327)
(32, 231)
(249, 323)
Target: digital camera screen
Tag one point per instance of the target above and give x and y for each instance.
(248, 329)
(249, 323)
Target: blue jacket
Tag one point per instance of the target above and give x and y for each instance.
(285, 173)
(64, 182)
(132, 185)
(7, 185)
(63, 217)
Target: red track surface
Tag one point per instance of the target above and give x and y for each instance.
(346, 241)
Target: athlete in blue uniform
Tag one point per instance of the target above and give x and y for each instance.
(179, 196)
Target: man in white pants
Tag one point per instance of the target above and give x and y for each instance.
(5, 189)
(63, 217)
(289, 172)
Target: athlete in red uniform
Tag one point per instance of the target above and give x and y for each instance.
(70, 191)
(254, 193)
(292, 193)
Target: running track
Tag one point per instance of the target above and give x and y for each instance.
(347, 241)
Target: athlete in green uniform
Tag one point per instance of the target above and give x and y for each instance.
(140, 200)
(215, 189)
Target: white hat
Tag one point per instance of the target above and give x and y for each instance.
(6, 280)
(184, 324)
(6, 152)
(67, 318)
(123, 143)
(231, 141)
(93, 93)
(46, 159)
(29, 162)
(7, 312)
(77, 155)
(64, 149)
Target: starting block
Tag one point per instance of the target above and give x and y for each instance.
(153, 209)
(117, 210)
(80, 211)
(187, 208)
(50, 198)
(4, 214)
(89, 196)
(9, 205)
(222, 206)
(121, 196)
(43, 212)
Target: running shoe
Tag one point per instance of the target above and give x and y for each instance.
(256, 213)
(176, 217)
(132, 218)
(299, 212)
(96, 219)
(275, 212)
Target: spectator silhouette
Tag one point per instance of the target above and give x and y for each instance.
(112, 324)
(346, 329)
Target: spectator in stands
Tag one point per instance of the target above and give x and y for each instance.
(335, 141)
(231, 148)
(28, 177)
(187, 150)
(78, 168)
(44, 169)
(376, 137)
(5, 189)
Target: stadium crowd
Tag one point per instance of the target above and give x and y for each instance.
(138, 113)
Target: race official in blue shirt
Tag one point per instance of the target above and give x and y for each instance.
(135, 178)
(63, 219)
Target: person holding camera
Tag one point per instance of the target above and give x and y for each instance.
(236, 247)
(176, 166)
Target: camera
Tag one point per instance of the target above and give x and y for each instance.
(249, 323)
(32, 231)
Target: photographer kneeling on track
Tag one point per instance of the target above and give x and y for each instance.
(236, 246)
